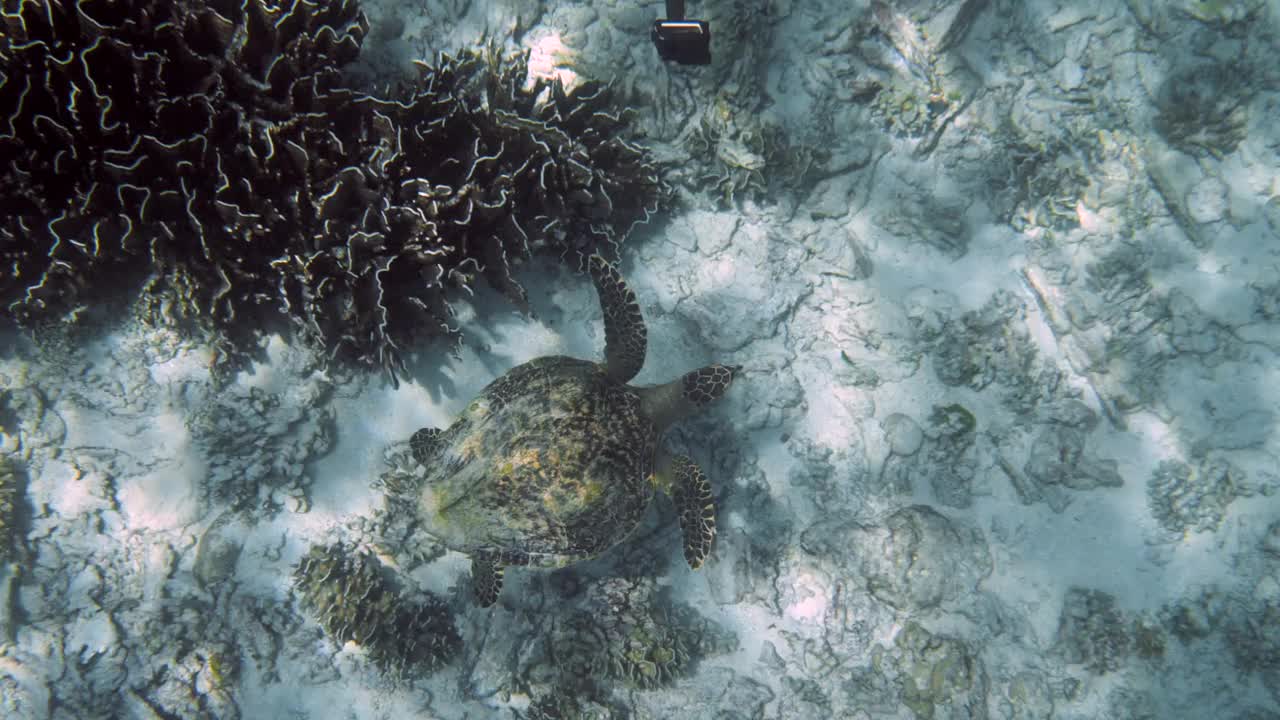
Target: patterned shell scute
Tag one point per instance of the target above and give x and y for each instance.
(550, 464)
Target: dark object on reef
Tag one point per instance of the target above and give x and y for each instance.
(681, 40)
(212, 151)
(354, 600)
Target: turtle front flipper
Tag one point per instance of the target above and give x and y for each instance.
(425, 444)
(486, 579)
(691, 494)
(625, 336)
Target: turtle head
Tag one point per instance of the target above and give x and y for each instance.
(667, 404)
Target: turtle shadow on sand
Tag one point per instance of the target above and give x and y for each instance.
(495, 322)
(435, 371)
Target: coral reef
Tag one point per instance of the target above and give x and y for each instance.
(212, 152)
(564, 704)
(1204, 109)
(10, 495)
(1029, 697)
(146, 133)
(1092, 631)
(1149, 642)
(923, 559)
(983, 346)
(258, 442)
(1046, 180)
(911, 94)
(1057, 457)
(938, 670)
(1252, 630)
(950, 454)
(351, 595)
(1194, 617)
(1185, 498)
(625, 629)
(746, 157)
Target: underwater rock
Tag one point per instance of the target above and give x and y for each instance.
(969, 349)
(803, 697)
(1252, 631)
(1092, 630)
(1057, 457)
(911, 86)
(1028, 697)
(1185, 498)
(1196, 616)
(951, 466)
(1271, 540)
(23, 692)
(816, 472)
(903, 434)
(990, 346)
(350, 594)
(1149, 641)
(11, 493)
(218, 551)
(939, 676)
(929, 218)
(717, 692)
(34, 422)
(565, 704)
(915, 560)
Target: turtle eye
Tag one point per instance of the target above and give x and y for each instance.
(707, 384)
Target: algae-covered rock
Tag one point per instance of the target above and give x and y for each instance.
(914, 561)
(1185, 498)
(351, 595)
(9, 494)
(1092, 630)
(938, 675)
(627, 630)
(1028, 697)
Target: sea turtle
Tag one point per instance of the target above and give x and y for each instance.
(557, 460)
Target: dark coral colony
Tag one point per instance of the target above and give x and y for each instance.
(213, 164)
(215, 156)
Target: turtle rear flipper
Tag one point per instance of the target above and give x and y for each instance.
(625, 336)
(691, 494)
(486, 580)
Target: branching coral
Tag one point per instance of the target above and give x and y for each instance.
(353, 599)
(213, 149)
